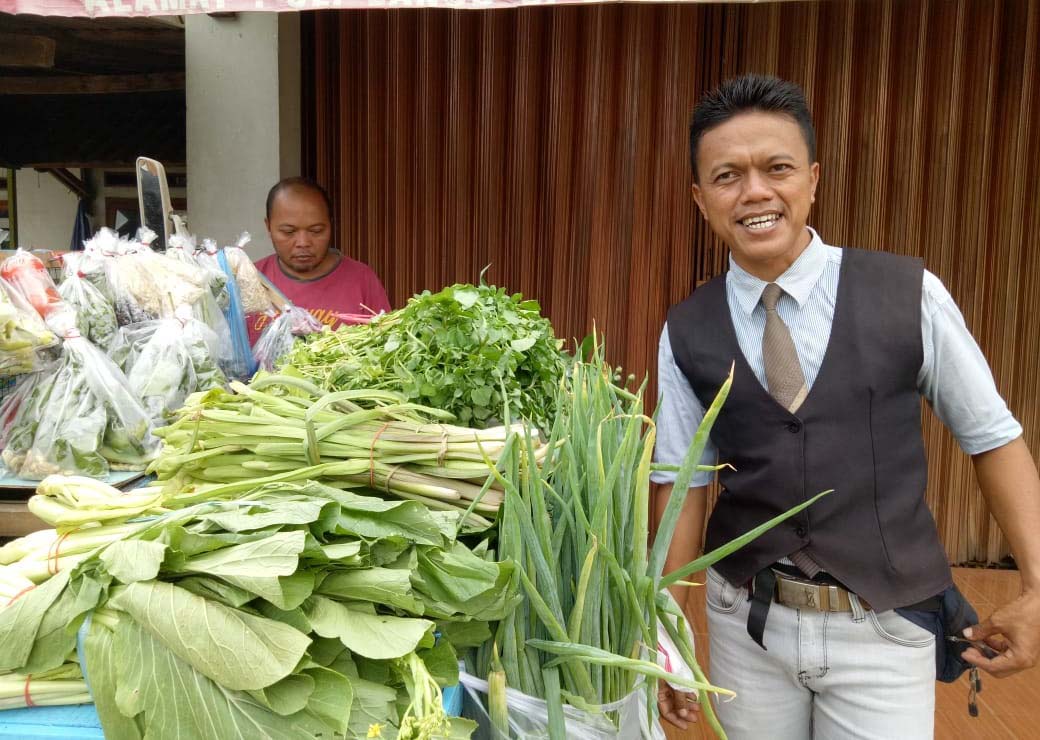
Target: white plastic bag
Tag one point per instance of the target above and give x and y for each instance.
(95, 316)
(167, 360)
(625, 719)
(255, 298)
(668, 655)
(22, 333)
(83, 421)
(278, 337)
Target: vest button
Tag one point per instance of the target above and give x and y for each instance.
(800, 530)
(794, 427)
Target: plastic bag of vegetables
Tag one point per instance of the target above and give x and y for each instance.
(95, 316)
(167, 360)
(146, 285)
(22, 333)
(26, 272)
(16, 396)
(82, 418)
(206, 258)
(277, 339)
(255, 298)
(240, 363)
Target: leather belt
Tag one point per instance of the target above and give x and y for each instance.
(772, 584)
(801, 593)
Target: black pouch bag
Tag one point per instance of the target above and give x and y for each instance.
(946, 616)
(952, 615)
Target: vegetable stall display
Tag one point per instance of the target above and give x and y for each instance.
(321, 546)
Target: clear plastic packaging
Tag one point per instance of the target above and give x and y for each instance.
(167, 360)
(278, 337)
(218, 279)
(146, 285)
(255, 298)
(95, 316)
(27, 273)
(80, 419)
(668, 655)
(13, 401)
(242, 364)
(625, 719)
(22, 333)
(90, 263)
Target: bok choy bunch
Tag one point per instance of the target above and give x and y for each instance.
(295, 611)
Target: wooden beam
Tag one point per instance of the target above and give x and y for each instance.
(66, 178)
(23, 50)
(91, 84)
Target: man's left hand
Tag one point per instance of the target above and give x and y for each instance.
(1013, 630)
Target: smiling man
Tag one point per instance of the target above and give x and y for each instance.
(305, 267)
(816, 625)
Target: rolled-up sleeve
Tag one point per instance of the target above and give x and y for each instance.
(956, 379)
(679, 413)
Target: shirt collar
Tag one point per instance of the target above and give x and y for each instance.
(797, 281)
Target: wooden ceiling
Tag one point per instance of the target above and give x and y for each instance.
(110, 46)
(90, 92)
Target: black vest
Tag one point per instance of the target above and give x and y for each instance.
(858, 432)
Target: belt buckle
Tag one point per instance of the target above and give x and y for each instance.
(803, 594)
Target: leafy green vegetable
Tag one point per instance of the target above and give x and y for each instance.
(471, 350)
(83, 420)
(95, 316)
(234, 648)
(298, 611)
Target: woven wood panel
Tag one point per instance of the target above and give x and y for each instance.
(551, 144)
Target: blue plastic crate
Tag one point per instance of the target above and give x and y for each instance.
(78, 722)
(81, 722)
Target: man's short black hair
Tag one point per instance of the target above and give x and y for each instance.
(298, 183)
(748, 94)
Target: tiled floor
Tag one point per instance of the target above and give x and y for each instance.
(1008, 708)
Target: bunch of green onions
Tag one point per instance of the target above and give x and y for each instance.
(577, 524)
(281, 428)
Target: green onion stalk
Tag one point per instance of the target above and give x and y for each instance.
(576, 522)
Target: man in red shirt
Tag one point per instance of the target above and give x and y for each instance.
(304, 267)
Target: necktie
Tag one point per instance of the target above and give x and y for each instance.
(783, 373)
(786, 381)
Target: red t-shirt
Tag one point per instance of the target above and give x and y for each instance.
(348, 289)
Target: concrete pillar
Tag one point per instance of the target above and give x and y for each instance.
(243, 127)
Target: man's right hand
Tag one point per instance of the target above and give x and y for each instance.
(676, 706)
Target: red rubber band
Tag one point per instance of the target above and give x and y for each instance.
(18, 595)
(56, 548)
(28, 697)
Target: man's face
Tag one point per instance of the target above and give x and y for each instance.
(755, 186)
(300, 229)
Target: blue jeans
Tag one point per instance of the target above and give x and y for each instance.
(826, 676)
